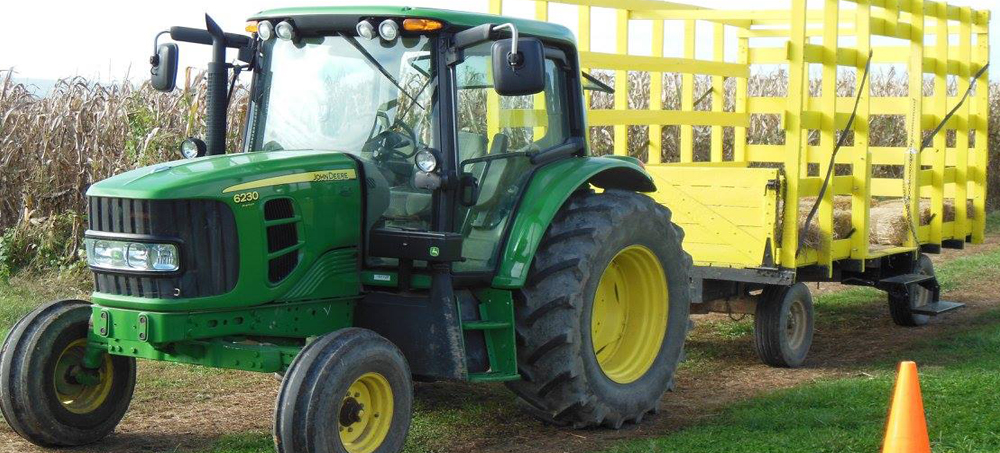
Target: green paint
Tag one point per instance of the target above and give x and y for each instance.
(320, 233)
(204, 337)
(548, 191)
(496, 313)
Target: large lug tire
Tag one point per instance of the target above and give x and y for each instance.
(40, 396)
(783, 325)
(349, 391)
(602, 319)
(900, 308)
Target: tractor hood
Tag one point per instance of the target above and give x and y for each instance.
(212, 176)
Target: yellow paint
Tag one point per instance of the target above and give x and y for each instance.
(629, 315)
(75, 397)
(831, 35)
(373, 394)
(295, 178)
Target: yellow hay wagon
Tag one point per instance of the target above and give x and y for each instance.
(826, 200)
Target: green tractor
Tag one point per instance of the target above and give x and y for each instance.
(415, 201)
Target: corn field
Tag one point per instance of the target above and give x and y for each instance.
(52, 148)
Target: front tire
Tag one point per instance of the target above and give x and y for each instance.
(42, 397)
(347, 392)
(602, 318)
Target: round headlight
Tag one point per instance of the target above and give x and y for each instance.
(265, 30)
(388, 29)
(426, 161)
(366, 29)
(285, 31)
(192, 148)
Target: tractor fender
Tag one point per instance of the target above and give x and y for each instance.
(548, 190)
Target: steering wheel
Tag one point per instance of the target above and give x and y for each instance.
(390, 144)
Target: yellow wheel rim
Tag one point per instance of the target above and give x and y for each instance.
(629, 318)
(366, 413)
(76, 397)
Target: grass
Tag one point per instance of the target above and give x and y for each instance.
(958, 376)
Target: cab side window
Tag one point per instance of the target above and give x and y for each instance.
(493, 133)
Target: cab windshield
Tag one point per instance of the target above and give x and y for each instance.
(343, 93)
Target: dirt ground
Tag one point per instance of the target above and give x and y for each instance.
(180, 410)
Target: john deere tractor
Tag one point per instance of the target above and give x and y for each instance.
(414, 201)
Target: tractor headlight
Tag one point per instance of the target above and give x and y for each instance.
(192, 148)
(285, 31)
(366, 29)
(426, 161)
(131, 256)
(388, 29)
(265, 30)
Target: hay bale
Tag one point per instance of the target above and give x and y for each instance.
(810, 234)
(888, 220)
(887, 223)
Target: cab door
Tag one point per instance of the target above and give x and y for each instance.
(494, 136)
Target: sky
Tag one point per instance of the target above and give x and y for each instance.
(112, 39)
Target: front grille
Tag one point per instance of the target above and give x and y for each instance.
(209, 246)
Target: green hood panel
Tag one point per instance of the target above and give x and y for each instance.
(210, 176)
(325, 194)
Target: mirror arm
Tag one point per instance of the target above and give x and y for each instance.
(155, 59)
(572, 146)
(513, 58)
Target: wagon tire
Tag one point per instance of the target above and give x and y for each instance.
(783, 325)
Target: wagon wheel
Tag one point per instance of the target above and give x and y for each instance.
(783, 325)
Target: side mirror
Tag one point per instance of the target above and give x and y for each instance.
(518, 70)
(163, 74)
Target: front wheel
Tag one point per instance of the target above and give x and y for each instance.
(347, 392)
(602, 318)
(46, 395)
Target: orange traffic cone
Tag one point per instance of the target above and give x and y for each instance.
(906, 431)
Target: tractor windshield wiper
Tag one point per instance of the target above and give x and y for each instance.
(368, 56)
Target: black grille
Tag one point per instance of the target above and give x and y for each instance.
(280, 267)
(209, 245)
(280, 208)
(280, 237)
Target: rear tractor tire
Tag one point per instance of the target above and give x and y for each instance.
(46, 395)
(783, 325)
(602, 319)
(900, 308)
(347, 392)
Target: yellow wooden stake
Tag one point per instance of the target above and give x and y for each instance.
(687, 94)
(621, 84)
(862, 165)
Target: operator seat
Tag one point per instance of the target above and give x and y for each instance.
(408, 202)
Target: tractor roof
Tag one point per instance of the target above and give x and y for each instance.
(458, 18)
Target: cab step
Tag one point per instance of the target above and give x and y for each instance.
(937, 308)
(485, 325)
(493, 377)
